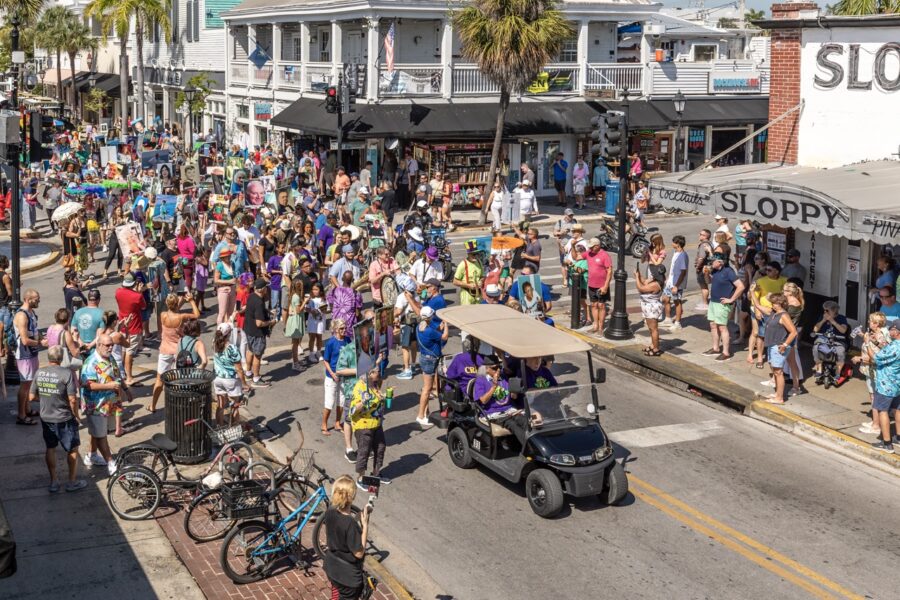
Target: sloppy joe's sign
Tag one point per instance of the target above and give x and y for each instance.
(783, 208)
(883, 69)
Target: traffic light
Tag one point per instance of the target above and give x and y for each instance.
(331, 100)
(609, 135)
(41, 132)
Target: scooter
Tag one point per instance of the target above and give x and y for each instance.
(832, 373)
(636, 241)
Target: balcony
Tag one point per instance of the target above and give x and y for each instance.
(693, 79)
(318, 76)
(468, 80)
(614, 77)
(289, 75)
(239, 72)
(410, 80)
(263, 76)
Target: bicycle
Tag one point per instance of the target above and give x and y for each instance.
(251, 550)
(208, 517)
(136, 490)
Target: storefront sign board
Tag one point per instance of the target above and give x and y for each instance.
(735, 82)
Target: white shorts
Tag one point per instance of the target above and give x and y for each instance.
(165, 362)
(228, 387)
(334, 395)
(316, 326)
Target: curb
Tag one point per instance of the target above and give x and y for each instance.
(760, 410)
(50, 260)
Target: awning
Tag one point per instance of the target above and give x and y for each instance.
(718, 112)
(858, 202)
(441, 121)
(109, 83)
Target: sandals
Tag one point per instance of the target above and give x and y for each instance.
(25, 421)
(772, 399)
(32, 413)
(652, 352)
(760, 365)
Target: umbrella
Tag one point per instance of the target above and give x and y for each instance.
(67, 210)
(506, 242)
(355, 231)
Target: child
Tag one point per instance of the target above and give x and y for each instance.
(294, 321)
(315, 322)
(273, 274)
(238, 337)
(673, 293)
(230, 382)
(201, 275)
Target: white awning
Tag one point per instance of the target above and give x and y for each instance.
(858, 202)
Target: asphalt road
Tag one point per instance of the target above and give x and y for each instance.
(722, 506)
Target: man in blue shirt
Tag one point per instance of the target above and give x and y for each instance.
(886, 398)
(334, 395)
(89, 318)
(560, 169)
(889, 305)
(239, 259)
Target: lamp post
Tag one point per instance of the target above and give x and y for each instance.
(190, 92)
(619, 328)
(678, 101)
(13, 160)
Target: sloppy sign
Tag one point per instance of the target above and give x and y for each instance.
(784, 208)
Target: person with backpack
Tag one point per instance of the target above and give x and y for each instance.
(191, 351)
(171, 322)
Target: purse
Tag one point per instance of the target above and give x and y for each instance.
(68, 261)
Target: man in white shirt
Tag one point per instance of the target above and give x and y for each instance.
(412, 167)
(365, 176)
(427, 267)
(527, 201)
(673, 292)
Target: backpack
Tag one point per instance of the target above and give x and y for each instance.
(185, 358)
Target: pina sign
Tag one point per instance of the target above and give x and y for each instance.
(887, 79)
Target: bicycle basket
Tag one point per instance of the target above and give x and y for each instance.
(225, 435)
(304, 463)
(244, 498)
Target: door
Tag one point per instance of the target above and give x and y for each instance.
(355, 48)
(548, 155)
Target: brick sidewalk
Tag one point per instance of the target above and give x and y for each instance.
(202, 560)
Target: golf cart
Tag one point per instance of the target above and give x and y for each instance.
(565, 450)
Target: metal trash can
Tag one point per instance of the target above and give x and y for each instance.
(188, 396)
(612, 198)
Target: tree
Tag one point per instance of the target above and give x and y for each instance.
(754, 15)
(97, 101)
(202, 83)
(728, 23)
(50, 31)
(864, 7)
(77, 38)
(28, 12)
(511, 41)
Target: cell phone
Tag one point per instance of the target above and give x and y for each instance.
(373, 484)
(237, 305)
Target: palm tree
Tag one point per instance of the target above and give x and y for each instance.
(115, 16)
(511, 41)
(49, 33)
(77, 38)
(865, 7)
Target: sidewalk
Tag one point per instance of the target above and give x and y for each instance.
(827, 417)
(34, 254)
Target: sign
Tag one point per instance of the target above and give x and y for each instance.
(262, 111)
(734, 82)
(785, 208)
(776, 244)
(852, 270)
(685, 199)
(880, 71)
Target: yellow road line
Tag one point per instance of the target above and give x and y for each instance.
(765, 551)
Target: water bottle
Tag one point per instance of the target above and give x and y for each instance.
(388, 397)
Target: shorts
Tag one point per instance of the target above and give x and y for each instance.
(428, 363)
(27, 367)
(256, 345)
(228, 387)
(882, 403)
(437, 202)
(135, 343)
(165, 362)
(97, 425)
(719, 313)
(559, 185)
(776, 358)
(63, 434)
(597, 296)
(406, 335)
(651, 309)
(701, 281)
(761, 325)
(334, 394)
(674, 297)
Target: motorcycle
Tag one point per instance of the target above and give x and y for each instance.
(636, 242)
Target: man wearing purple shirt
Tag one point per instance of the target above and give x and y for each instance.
(273, 270)
(326, 234)
(491, 391)
(464, 366)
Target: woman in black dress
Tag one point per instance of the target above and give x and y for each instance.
(346, 540)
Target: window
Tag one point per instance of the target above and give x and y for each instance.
(569, 51)
(705, 53)
(296, 45)
(324, 45)
(243, 111)
(189, 20)
(173, 21)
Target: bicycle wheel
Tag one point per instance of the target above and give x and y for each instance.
(205, 520)
(237, 558)
(320, 541)
(305, 490)
(149, 456)
(134, 493)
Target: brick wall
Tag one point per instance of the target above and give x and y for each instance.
(784, 91)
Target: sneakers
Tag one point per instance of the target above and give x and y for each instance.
(351, 456)
(424, 423)
(797, 391)
(405, 374)
(676, 326)
(667, 322)
(724, 358)
(867, 427)
(111, 467)
(94, 460)
(768, 383)
(74, 486)
(54, 487)
(259, 383)
(884, 446)
(712, 352)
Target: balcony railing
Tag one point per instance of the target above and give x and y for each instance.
(692, 78)
(468, 80)
(262, 76)
(239, 72)
(289, 74)
(410, 80)
(614, 77)
(318, 76)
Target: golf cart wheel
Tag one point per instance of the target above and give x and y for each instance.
(460, 453)
(544, 493)
(616, 484)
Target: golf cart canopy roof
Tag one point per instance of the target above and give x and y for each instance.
(509, 330)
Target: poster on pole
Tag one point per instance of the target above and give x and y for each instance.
(131, 239)
(108, 154)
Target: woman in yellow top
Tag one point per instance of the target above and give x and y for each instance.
(769, 283)
(366, 418)
(469, 275)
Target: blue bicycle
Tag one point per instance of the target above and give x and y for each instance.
(252, 549)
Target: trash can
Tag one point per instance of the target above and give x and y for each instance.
(188, 396)
(612, 198)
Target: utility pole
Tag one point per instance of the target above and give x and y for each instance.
(340, 122)
(13, 160)
(619, 328)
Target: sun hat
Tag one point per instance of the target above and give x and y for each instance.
(427, 312)
(416, 234)
(578, 227)
(431, 253)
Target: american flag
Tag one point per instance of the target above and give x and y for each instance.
(389, 49)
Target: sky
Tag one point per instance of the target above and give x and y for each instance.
(755, 4)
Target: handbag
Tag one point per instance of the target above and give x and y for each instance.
(68, 261)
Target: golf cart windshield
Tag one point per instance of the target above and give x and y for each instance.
(560, 404)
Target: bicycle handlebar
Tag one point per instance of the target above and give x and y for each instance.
(190, 422)
(325, 476)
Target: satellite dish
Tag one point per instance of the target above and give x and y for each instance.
(391, 143)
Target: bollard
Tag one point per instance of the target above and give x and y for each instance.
(575, 279)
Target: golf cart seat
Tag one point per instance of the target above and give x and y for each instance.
(496, 430)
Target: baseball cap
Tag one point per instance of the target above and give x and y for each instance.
(348, 248)
(527, 182)
(491, 361)
(150, 252)
(719, 217)
(363, 189)
(422, 188)
(895, 324)
(427, 312)
(434, 283)
(793, 252)
(224, 328)
(421, 204)
(129, 280)
(416, 234)
(493, 290)
(593, 242)
(354, 174)
(568, 212)
(329, 206)
(285, 225)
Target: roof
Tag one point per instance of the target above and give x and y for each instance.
(509, 330)
(861, 199)
(678, 27)
(717, 111)
(829, 21)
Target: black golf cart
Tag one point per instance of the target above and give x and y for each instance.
(566, 450)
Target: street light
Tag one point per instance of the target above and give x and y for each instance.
(190, 92)
(678, 101)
